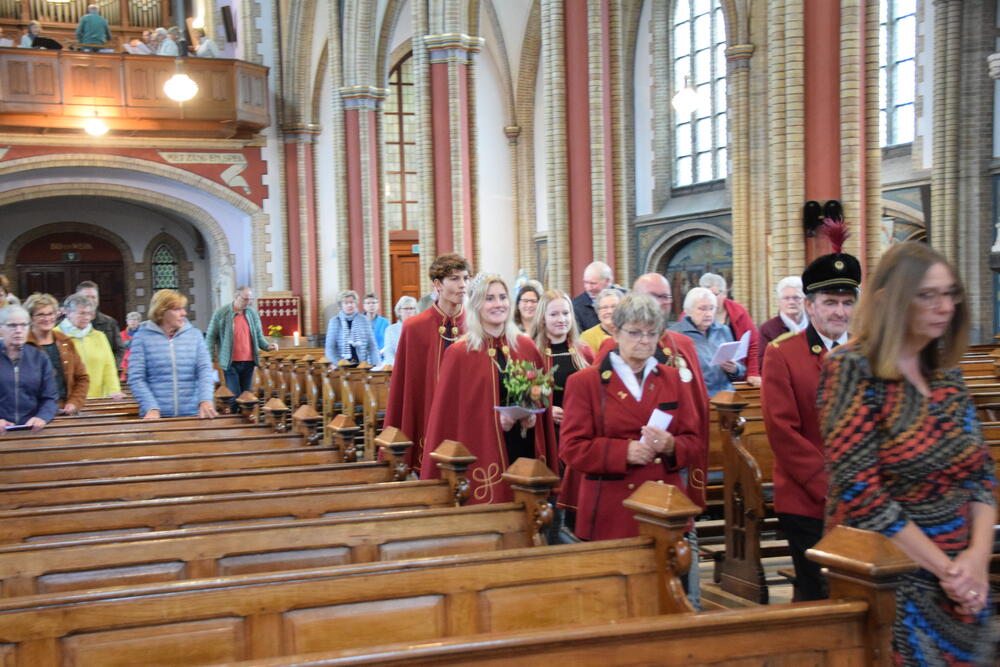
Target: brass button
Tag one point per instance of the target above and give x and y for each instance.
(657, 460)
(631, 486)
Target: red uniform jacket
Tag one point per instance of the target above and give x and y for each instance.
(600, 418)
(670, 344)
(468, 389)
(415, 374)
(740, 323)
(788, 399)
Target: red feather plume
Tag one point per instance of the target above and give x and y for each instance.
(836, 231)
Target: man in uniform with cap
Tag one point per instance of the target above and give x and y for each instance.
(791, 373)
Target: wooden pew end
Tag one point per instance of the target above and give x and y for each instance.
(248, 402)
(663, 513)
(306, 420)
(276, 412)
(453, 459)
(223, 400)
(343, 429)
(533, 484)
(393, 444)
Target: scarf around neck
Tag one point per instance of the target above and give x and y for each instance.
(350, 334)
(67, 328)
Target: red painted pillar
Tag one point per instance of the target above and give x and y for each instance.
(822, 108)
(609, 181)
(578, 177)
(451, 58)
(300, 193)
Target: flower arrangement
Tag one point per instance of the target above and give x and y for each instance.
(274, 331)
(527, 385)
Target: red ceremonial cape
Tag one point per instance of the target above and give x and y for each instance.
(670, 344)
(468, 389)
(415, 374)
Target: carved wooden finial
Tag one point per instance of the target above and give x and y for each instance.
(728, 399)
(305, 412)
(663, 501)
(247, 397)
(861, 552)
(529, 472)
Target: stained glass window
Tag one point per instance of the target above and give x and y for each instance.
(699, 62)
(399, 148)
(897, 71)
(165, 273)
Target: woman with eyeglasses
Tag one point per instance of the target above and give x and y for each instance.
(700, 325)
(405, 308)
(605, 432)
(907, 457)
(526, 305)
(92, 346)
(72, 381)
(605, 327)
(27, 387)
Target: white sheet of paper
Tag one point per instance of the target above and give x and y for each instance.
(659, 419)
(734, 351)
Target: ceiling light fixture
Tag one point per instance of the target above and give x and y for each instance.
(180, 87)
(95, 127)
(686, 100)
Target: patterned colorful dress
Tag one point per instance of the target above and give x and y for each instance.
(897, 456)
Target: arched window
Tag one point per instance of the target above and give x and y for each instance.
(686, 264)
(699, 59)
(399, 128)
(897, 71)
(164, 268)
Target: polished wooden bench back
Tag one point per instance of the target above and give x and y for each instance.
(214, 551)
(267, 615)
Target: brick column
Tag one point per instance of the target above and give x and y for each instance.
(361, 168)
(300, 206)
(948, 117)
(451, 57)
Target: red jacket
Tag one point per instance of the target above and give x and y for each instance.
(740, 323)
(788, 399)
(600, 418)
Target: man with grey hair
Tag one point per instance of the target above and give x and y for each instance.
(735, 316)
(791, 313)
(28, 394)
(596, 277)
(93, 30)
(234, 336)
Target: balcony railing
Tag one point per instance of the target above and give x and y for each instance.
(56, 91)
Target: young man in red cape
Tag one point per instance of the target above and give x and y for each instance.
(421, 348)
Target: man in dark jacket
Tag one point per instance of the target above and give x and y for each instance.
(103, 323)
(27, 385)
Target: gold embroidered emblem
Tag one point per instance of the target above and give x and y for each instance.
(816, 349)
(622, 395)
(454, 331)
(606, 375)
(667, 352)
(548, 352)
(441, 330)
(505, 350)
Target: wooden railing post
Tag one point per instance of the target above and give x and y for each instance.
(306, 420)
(864, 565)
(249, 405)
(393, 444)
(663, 513)
(342, 431)
(532, 483)
(223, 400)
(453, 460)
(275, 412)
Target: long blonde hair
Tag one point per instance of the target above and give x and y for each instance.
(540, 334)
(475, 336)
(886, 305)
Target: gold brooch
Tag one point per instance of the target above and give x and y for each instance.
(441, 330)
(667, 351)
(548, 352)
(492, 352)
(622, 395)
(816, 349)
(505, 350)
(606, 375)
(454, 331)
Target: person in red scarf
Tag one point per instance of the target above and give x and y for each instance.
(470, 387)
(420, 350)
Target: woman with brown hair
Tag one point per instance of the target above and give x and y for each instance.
(70, 373)
(906, 454)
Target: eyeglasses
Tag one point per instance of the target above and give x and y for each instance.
(932, 298)
(43, 316)
(636, 334)
(16, 325)
(602, 309)
(532, 301)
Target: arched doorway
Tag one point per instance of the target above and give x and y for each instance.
(686, 264)
(56, 263)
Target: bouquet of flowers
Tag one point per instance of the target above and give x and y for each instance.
(529, 390)
(274, 331)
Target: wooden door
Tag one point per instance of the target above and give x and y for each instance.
(404, 264)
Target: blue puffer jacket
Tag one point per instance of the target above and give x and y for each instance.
(28, 390)
(172, 375)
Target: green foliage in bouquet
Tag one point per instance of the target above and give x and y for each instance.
(527, 385)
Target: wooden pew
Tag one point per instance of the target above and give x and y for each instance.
(431, 600)
(263, 615)
(213, 551)
(854, 628)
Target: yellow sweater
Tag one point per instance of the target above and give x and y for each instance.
(97, 356)
(594, 336)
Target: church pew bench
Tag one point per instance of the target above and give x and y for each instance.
(126, 432)
(83, 448)
(254, 616)
(120, 517)
(213, 551)
(76, 424)
(167, 463)
(854, 627)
